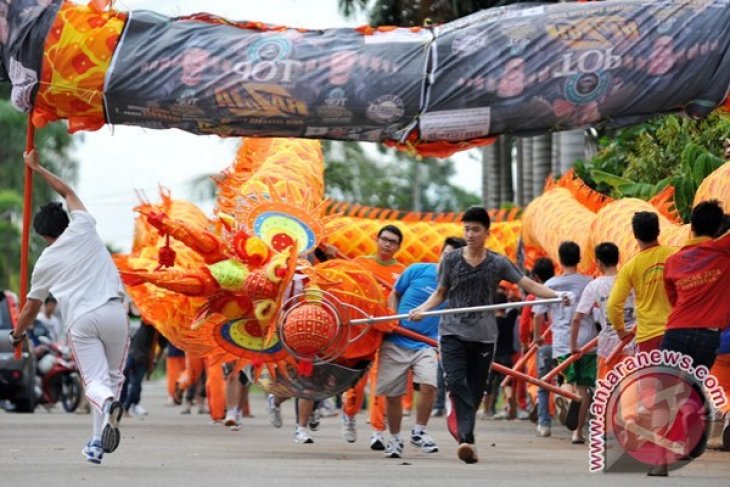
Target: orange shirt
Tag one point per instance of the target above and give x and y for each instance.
(386, 273)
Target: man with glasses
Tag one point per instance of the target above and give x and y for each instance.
(386, 270)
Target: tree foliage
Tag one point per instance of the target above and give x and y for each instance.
(53, 144)
(408, 13)
(641, 160)
(391, 179)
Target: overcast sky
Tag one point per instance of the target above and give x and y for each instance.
(115, 161)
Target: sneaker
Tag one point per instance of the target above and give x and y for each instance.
(137, 410)
(301, 436)
(501, 415)
(93, 452)
(377, 441)
(110, 436)
(314, 420)
(561, 407)
(658, 471)
(274, 412)
(349, 431)
(394, 449)
(186, 408)
(230, 419)
(484, 415)
(543, 431)
(177, 396)
(577, 438)
(467, 453)
(523, 415)
(423, 441)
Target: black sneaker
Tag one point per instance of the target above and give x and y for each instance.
(110, 436)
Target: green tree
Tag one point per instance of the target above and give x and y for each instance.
(407, 13)
(11, 205)
(54, 145)
(641, 160)
(391, 179)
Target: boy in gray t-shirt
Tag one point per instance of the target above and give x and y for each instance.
(581, 374)
(561, 316)
(473, 286)
(469, 277)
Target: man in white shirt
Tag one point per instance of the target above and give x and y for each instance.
(78, 269)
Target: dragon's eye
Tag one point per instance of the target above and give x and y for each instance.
(281, 230)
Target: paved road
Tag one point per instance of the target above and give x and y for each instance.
(168, 449)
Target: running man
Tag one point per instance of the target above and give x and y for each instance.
(468, 277)
(78, 269)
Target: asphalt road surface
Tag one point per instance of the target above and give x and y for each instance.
(166, 448)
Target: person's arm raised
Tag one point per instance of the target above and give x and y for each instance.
(57, 184)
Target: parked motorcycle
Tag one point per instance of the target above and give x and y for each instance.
(57, 377)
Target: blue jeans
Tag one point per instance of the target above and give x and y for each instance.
(698, 343)
(544, 365)
(134, 373)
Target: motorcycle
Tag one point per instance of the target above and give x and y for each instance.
(57, 377)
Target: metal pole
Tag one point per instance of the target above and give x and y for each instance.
(473, 309)
(501, 369)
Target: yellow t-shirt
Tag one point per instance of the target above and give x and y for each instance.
(644, 273)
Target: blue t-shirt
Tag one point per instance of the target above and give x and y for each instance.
(724, 342)
(414, 287)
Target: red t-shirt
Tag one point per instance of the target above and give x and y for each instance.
(697, 280)
(526, 325)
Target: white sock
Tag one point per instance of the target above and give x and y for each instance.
(419, 429)
(396, 437)
(98, 418)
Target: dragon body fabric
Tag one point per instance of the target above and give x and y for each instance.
(517, 69)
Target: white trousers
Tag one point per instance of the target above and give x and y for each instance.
(100, 339)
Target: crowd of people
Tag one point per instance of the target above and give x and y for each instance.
(665, 298)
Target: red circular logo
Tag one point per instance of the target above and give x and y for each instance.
(658, 416)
